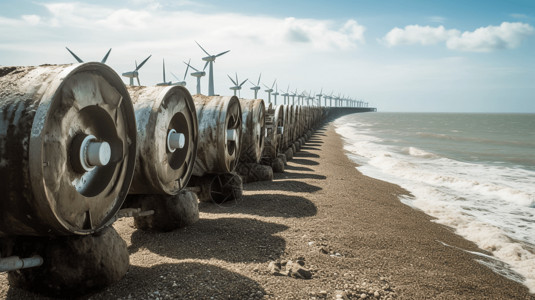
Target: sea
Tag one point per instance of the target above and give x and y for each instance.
(474, 173)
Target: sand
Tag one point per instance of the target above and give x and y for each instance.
(352, 232)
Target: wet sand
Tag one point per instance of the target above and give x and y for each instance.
(352, 232)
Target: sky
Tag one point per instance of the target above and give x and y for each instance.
(399, 56)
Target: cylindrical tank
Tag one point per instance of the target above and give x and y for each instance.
(167, 134)
(220, 120)
(253, 130)
(67, 148)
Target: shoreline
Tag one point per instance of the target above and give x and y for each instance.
(353, 232)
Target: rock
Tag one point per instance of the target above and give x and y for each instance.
(283, 158)
(252, 172)
(274, 268)
(323, 293)
(73, 265)
(363, 296)
(278, 165)
(289, 153)
(170, 212)
(297, 271)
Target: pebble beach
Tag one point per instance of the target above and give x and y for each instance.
(320, 230)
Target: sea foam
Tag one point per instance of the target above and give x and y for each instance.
(490, 205)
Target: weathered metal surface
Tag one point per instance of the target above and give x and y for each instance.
(220, 131)
(45, 112)
(161, 166)
(274, 128)
(218, 188)
(253, 130)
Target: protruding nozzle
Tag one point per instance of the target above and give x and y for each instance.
(175, 140)
(94, 153)
(232, 135)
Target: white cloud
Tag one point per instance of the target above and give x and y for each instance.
(416, 34)
(32, 19)
(484, 39)
(321, 35)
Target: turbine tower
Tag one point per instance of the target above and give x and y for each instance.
(256, 87)
(293, 97)
(197, 74)
(319, 97)
(103, 61)
(269, 90)
(300, 98)
(135, 73)
(210, 59)
(285, 95)
(236, 86)
(275, 94)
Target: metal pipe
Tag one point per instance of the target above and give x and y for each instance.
(13, 263)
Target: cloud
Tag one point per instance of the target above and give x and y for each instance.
(416, 34)
(484, 39)
(32, 19)
(322, 35)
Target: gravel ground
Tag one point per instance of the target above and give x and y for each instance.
(349, 232)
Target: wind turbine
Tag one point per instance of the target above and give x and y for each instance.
(285, 95)
(275, 94)
(236, 86)
(164, 82)
(319, 97)
(256, 87)
(135, 73)
(198, 74)
(300, 98)
(81, 61)
(269, 90)
(293, 97)
(210, 59)
(183, 82)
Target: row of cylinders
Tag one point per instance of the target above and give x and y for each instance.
(75, 141)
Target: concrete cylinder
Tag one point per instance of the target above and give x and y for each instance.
(253, 130)
(67, 148)
(220, 130)
(167, 132)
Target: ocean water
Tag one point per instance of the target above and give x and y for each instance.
(473, 172)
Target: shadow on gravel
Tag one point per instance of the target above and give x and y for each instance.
(188, 280)
(266, 205)
(295, 168)
(303, 161)
(289, 175)
(304, 154)
(307, 148)
(228, 239)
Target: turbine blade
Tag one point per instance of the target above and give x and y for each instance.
(259, 79)
(267, 87)
(202, 49)
(138, 83)
(190, 65)
(176, 76)
(236, 78)
(243, 82)
(163, 70)
(232, 80)
(205, 65)
(143, 62)
(76, 57)
(273, 83)
(218, 55)
(252, 83)
(187, 68)
(106, 57)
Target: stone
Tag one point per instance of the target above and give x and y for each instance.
(73, 265)
(297, 271)
(278, 165)
(283, 158)
(252, 172)
(170, 212)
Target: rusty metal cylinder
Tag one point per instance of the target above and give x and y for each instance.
(253, 130)
(220, 130)
(67, 148)
(167, 134)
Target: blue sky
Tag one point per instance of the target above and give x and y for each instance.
(439, 56)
